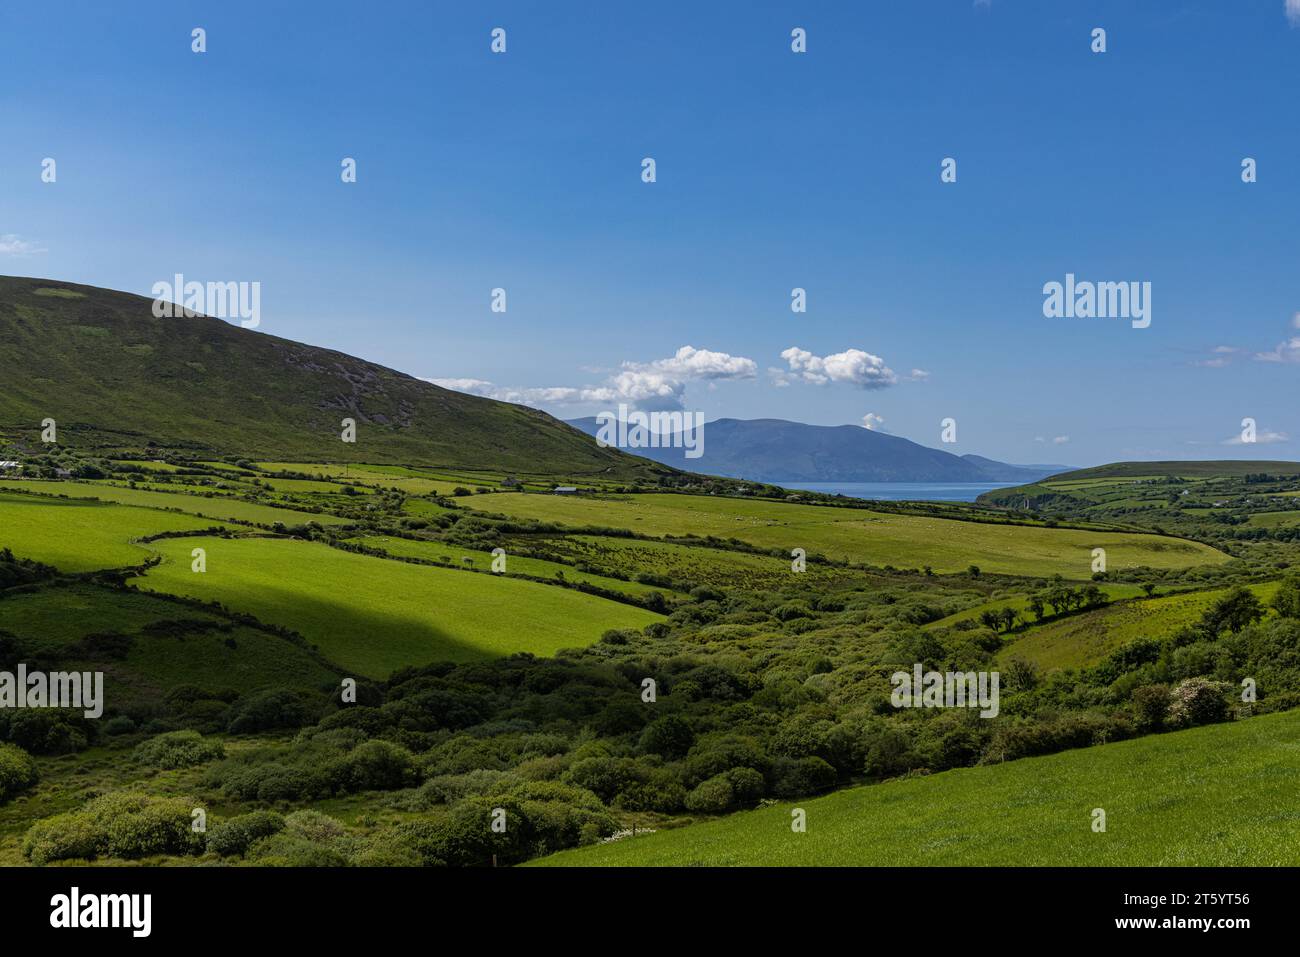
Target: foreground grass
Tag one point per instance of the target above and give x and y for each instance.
(877, 538)
(372, 615)
(1219, 795)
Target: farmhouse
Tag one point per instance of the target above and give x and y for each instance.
(8, 466)
(565, 490)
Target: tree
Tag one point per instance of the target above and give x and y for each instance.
(1037, 606)
(1022, 675)
(1233, 611)
(1287, 600)
(670, 736)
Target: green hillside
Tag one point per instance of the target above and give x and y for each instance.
(1208, 469)
(1216, 795)
(113, 376)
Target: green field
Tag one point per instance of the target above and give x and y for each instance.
(1020, 603)
(408, 480)
(515, 565)
(1218, 795)
(1275, 519)
(878, 538)
(372, 615)
(81, 536)
(222, 508)
(1086, 638)
(53, 618)
(694, 564)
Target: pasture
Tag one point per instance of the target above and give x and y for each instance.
(221, 508)
(457, 557)
(52, 620)
(81, 536)
(1088, 637)
(860, 535)
(372, 615)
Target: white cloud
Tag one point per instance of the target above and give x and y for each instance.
(872, 421)
(660, 384)
(13, 245)
(1261, 438)
(1293, 12)
(1288, 351)
(691, 363)
(853, 366)
(1055, 440)
(1295, 320)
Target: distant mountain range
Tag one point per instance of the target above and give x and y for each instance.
(774, 450)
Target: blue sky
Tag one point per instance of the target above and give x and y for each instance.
(775, 170)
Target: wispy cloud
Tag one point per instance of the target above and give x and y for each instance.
(872, 421)
(1220, 357)
(1261, 438)
(1287, 351)
(14, 245)
(1293, 12)
(660, 384)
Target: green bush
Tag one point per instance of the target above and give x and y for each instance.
(17, 771)
(178, 749)
(670, 736)
(722, 792)
(122, 824)
(1197, 701)
(234, 836)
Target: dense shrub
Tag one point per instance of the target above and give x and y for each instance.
(17, 771)
(1150, 705)
(46, 730)
(670, 736)
(121, 824)
(234, 836)
(1196, 701)
(723, 792)
(268, 711)
(178, 749)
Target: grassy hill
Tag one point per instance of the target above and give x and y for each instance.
(113, 376)
(1217, 795)
(1209, 469)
